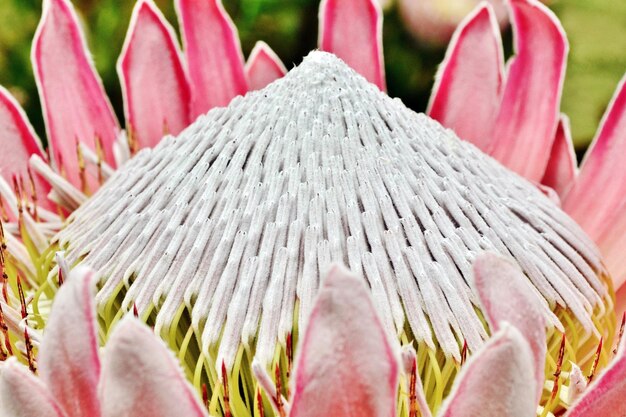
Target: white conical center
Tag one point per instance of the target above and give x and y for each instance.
(242, 213)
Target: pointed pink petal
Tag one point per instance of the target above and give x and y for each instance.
(506, 296)
(529, 112)
(74, 102)
(216, 66)
(561, 170)
(605, 396)
(263, 66)
(471, 76)
(497, 381)
(24, 395)
(68, 358)
(334, 375)
(142, 378)
(19, 141)
(352, 30)
(154, 84)
(597, 199)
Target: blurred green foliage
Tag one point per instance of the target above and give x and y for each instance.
(596, 30)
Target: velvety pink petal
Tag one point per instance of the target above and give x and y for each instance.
(352, 30)
(561, 169)
(22, 394)
(19, 141)
(263, 66)
(68, 357)
(497, 381)
(335, 376)
(142, 378)
(154, 83)
(526, 124)
(468, 86)
(74, 102)
(506, 296)
(597, 199)
(605, 396)
(214, 57)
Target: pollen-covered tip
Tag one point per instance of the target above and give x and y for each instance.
(335, 376)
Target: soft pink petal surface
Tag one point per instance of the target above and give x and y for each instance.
(597, 200)
(263, 66)
(214, 57)
(561, 169)
(154, 83)
(606, 395)
(18, 142)
(74, 102)
(526, 124)
(506, 296)
(142, 378)
(467, 90)
(68, 357)
(22, 394)
(352, 30)
(335, 376)
(497, 381)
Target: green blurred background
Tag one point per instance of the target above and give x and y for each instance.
(596, 30)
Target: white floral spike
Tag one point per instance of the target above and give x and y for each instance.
(239, 216)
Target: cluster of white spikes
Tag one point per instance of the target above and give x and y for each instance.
(242, 213)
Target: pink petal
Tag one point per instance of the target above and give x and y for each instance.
(263, 66)
(605, 396)
(561, 170)
(19, 141)
(352, 30)
(74, 102)
(597, 199)
(505, 295)
(154, 84)
(497, 381)
(468, 86)
(68, 358)
(620, 301)
(346, 364)
(526, 124)
(216, 65)
(142, 378)
(23, 395)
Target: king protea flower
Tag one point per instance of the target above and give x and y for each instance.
(220, 236)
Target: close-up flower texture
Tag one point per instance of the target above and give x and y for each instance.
(260, 241)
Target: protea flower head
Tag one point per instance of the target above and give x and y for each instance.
(220, 237)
